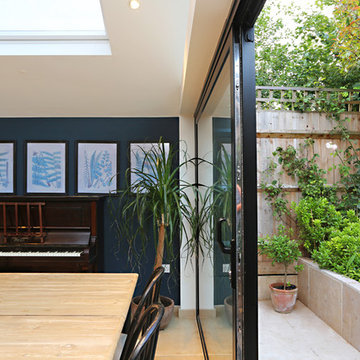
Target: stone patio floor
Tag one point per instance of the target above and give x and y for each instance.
(300, 335)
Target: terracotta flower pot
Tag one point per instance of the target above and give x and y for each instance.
(283, 300)
(168, 305)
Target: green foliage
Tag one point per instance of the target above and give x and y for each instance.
(350, 179)
(317, 219)
(198, 217)
(281, 249)
(324, 102)
(341, 253)
(223, 185)
(325, 221)
(276, 197)
(274, 192)
(318, 51)
(302, 55)
(347, 20)
(157, 199)
(299, 164)
(349, 168)
(152, 199)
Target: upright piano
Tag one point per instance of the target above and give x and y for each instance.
(50, 234)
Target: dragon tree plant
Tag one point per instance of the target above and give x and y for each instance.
(158, 198)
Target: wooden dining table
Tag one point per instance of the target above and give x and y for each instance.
(63, 316)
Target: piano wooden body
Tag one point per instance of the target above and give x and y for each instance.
(50, 234)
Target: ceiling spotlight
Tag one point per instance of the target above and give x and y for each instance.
(134, 4)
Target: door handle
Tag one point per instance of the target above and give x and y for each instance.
(224, 249)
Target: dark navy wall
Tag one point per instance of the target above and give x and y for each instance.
(122, 130)
(222, 289)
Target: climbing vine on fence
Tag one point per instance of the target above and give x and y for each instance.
(326, 212)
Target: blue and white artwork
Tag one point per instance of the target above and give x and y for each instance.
(46, 167)
(97, 167)
(7, 168)
(137, 157)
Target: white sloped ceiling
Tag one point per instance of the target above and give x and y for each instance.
(151, 48)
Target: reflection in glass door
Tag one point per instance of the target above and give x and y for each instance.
(225, 137)
(215, 171)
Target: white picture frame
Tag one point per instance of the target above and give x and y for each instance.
(97, 167)
(7, 167)
(46, 167)
(137, 156)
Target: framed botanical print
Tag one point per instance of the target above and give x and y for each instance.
(138, 161)
(97, 167)
(46, 167)
(7, 167)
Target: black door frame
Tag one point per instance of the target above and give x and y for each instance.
(237, 40)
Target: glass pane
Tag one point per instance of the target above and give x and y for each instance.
(50, 15)
(214, 129)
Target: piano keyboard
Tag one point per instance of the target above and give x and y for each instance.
(41, 253)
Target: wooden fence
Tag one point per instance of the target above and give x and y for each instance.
(283, 127)
(279, 124)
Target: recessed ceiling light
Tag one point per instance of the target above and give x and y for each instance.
(134, 4)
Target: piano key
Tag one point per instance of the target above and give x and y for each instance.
(41, 253)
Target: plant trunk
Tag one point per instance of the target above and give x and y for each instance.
(160, 245)
(285, 277)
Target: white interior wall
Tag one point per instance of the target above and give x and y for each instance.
(187, 266)
(206, 275)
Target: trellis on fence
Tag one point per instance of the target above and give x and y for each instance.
(306, 99)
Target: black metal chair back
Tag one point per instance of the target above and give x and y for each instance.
(148, 325)
(150, 295)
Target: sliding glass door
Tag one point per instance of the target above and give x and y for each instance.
(226, 155)
(215, 172)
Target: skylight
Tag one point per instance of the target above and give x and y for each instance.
(22, 21)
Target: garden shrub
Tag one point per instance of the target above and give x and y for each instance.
(281, 249)
(327, 216)
(341, 253)
(317, 219)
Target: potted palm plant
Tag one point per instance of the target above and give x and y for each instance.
(156, 197)
(282, 250)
